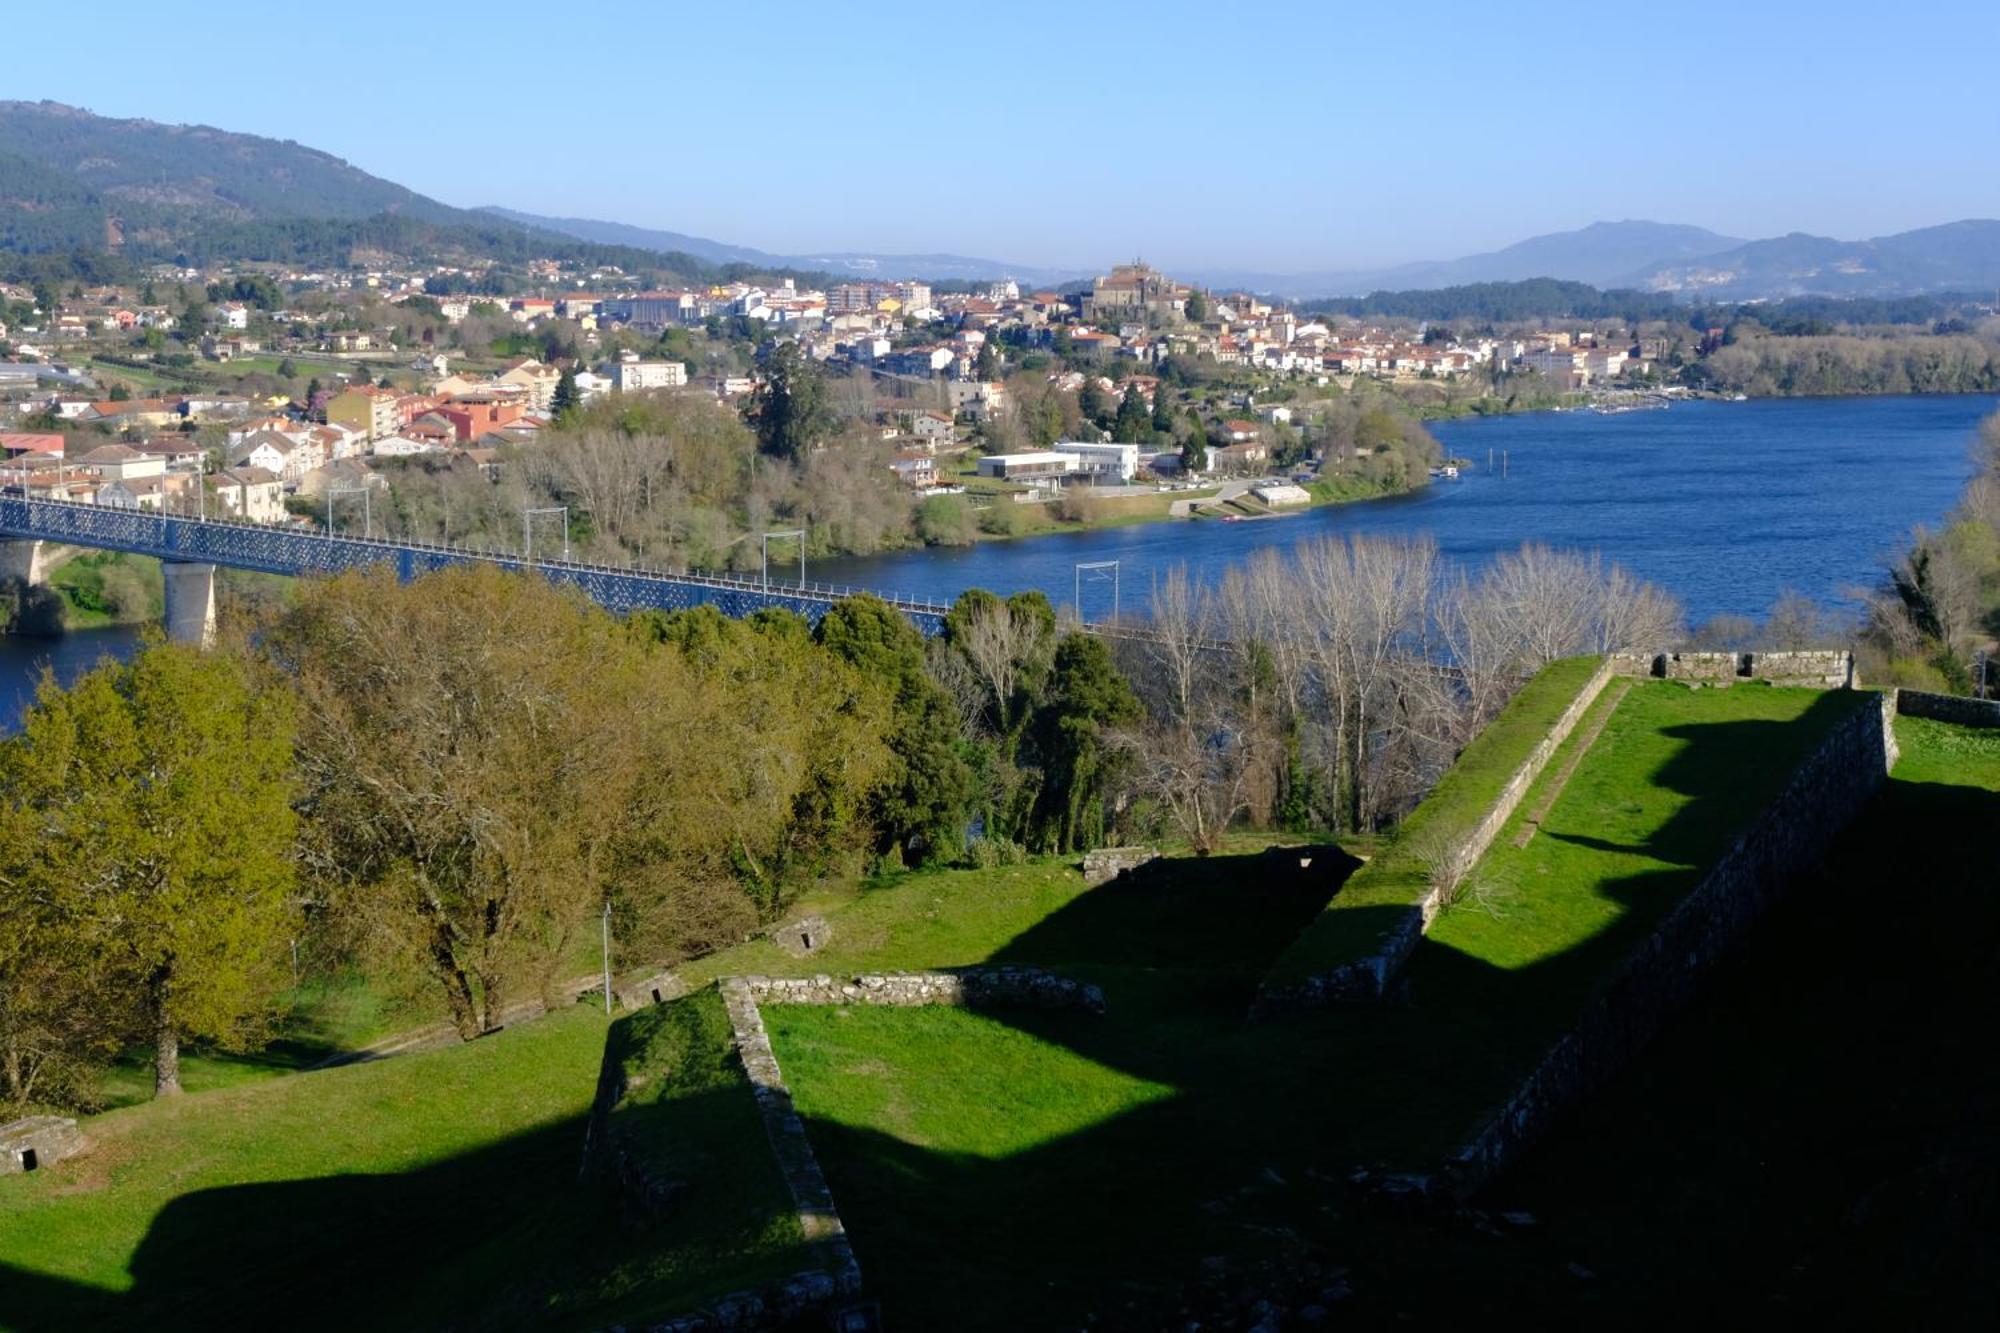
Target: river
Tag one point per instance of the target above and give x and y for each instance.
(1726, 505)
(22, 660)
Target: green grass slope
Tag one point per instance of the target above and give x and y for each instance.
(1368, 904)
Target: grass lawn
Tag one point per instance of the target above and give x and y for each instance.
(1001, 1170)
(1353, 922)
(1109, 1155)
(429, 1191)
(956, 1082)
(1814, 1142)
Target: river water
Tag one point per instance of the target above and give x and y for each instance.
(1726, 505)
(22, 661)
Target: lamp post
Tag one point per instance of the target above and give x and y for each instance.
(1096, 569)
(799, 533)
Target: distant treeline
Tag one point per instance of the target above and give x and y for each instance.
(1550, 298)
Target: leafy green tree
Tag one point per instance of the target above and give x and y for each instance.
(987, 365)
(1163, 409)
(286, 370)
(162, 791)
(1093, 402)
(120, 393)
(1133, 424)
(791, 408)
(923, 806)
(567, 399)
(1086, 697)
(1196, 309)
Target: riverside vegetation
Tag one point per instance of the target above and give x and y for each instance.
(451, 779)
(1935, 626)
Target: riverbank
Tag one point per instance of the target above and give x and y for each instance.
(1085, 511)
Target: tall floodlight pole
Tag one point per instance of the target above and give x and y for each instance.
(800, 534)
(1096, 570)
(528, 517)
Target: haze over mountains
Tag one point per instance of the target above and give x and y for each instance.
(71, 180)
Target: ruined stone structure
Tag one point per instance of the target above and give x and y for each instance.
(1108, 863)
(803, 937)
(36, 1142)
(818, 1217)
(1826, 791)
(1826, 669)
(969, 988)
(1949, 708)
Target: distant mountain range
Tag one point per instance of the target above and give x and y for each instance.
(1958, 256)
(71, 181)
(860, 264)
(1604, 254)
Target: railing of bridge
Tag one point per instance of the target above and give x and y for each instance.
(242, 544)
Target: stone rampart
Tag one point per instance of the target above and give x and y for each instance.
(1826, 791)
(811, 1195)
(1830, 668)
(970, 988)
(1949, 708)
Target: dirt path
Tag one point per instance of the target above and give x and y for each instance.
(1533, 824)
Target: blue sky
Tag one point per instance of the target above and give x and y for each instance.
(1267, 135)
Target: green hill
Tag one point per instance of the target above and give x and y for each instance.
(76, 183)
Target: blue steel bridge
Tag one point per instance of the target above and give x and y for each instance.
(201, 544)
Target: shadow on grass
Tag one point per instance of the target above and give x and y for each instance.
(502, 1238)
(1816, 1140)
(1107, 1222)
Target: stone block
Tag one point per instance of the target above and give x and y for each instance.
(1108, 863)
(37, 1141)
(803, 937)
(1717, 668)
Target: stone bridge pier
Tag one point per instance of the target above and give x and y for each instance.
(23, 560)
(190, 602)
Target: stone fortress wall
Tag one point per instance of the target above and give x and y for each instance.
(1828, 790)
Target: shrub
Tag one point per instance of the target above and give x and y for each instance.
(944, 520)
(1002, 518)
(987, 853)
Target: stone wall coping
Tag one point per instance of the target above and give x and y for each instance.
(819, 1219)
(1954, 708)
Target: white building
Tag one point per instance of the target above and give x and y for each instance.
(1103, 462)
(400, 446)
(635, 376)
(1031, 465)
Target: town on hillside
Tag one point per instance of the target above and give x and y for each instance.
(252, 392)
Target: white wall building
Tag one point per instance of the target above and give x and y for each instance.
(636, 376)
(1103, 462)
